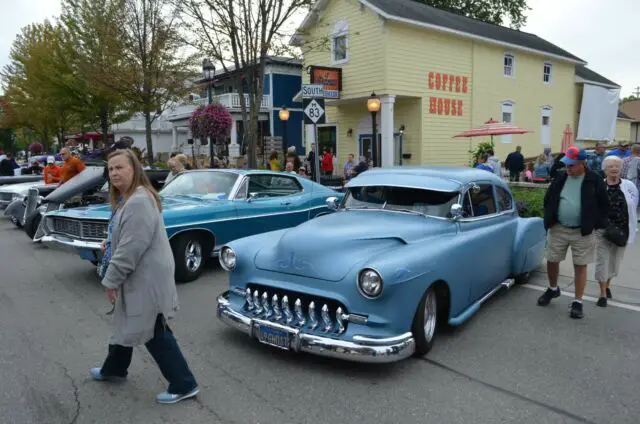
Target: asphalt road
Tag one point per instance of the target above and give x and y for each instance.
(513, 362)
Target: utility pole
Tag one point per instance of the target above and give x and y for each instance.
(637, 92)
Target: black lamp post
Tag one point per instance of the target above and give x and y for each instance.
(284, 117)
(373, 104)
(208, 71)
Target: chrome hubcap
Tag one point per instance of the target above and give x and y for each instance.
(193, 255)
(430, 314)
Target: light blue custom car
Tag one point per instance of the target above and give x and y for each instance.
(203, 210)
(407, 249)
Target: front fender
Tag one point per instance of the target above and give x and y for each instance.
(15, 209)
(528, 246)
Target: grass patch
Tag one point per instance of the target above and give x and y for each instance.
(529, 200)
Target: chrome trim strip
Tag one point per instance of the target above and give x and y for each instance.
(236, 218)
(78, 244)
(371, 350)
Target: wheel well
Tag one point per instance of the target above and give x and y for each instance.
(443, 296)
(207, 238)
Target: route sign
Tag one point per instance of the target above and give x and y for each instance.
(312, 91)
(314, 111)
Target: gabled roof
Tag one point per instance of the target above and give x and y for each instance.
(585, 74)
(270, 60)
(622, 115)
(631, 109)
(412, 12)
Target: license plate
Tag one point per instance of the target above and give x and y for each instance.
(273, 337)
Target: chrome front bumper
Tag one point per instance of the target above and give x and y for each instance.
(366, 349)
(57, 239)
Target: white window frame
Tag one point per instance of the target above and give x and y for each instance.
(507, 106)
(513, 65)
(544, 73)
(340, 29)
(546, 112)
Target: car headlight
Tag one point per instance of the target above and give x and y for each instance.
(370, 283)
(227, 259)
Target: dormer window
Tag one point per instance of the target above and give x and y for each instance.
(509, 65)
(339, 43)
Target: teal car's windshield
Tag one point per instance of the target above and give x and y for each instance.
(405, 199)
(210, 185)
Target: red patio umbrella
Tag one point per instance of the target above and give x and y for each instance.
(491, 128)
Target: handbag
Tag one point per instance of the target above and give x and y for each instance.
(616, 235)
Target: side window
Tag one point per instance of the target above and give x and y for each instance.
(479, 202)
(504, 199)
(273, 185)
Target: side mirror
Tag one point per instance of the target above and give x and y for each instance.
(252, 197)
(456, 211)
(333, 203)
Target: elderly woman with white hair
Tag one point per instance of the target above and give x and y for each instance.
(621, 229)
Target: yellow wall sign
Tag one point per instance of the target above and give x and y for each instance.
(447, 83)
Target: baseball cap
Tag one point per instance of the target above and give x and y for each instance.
(51, 159)
(573, 155)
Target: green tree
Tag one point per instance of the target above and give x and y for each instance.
(155, 59)
(241, 33)
(490, 11)
(92, 41)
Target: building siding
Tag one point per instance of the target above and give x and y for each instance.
(294, 128)
(623, 130)
(363, 72)
(285, 87)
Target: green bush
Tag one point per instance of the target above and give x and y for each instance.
(529, 201)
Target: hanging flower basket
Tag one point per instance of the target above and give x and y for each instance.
(36, 148)
(213, 121)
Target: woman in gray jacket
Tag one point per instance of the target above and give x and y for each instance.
(137, 271)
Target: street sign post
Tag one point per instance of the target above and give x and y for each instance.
(314, 114)
(312, 91)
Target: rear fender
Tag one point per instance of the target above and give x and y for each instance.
(528, 246)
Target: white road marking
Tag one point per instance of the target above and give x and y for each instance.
(589, 298)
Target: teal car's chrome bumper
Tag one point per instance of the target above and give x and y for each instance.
(368, 350)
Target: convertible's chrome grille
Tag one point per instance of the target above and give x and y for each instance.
(85, 230)
(295, 309)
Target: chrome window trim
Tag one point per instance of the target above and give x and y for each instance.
(248, 177)
(489, 216)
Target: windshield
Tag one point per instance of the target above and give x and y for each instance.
(210, 185)
(423, 201)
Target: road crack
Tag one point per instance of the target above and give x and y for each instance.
(508, 392)
(76, 393)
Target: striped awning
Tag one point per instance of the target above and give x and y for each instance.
(491, 128)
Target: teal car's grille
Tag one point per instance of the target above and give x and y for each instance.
(85, 230)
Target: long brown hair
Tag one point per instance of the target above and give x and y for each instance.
(139, 179)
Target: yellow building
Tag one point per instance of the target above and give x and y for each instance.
(436, 74)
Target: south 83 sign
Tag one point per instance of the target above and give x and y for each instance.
(314, 111)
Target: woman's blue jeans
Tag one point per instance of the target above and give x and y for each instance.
(166, 352)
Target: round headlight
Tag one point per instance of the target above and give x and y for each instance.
(370, 283)
(227, 259)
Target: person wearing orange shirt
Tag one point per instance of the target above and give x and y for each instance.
(72, 166)
(51, 171)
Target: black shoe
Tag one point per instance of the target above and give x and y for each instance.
(602, 302)
(576, 310)
(546, 297)
(609, 293)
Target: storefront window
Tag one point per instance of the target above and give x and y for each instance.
(365, 146)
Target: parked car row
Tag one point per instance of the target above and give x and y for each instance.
(366, 275)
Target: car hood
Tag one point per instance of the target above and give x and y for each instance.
(90, 177)
(328, 247)
(22, 188)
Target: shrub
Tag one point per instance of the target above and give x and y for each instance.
(529, 200)
(480, 150)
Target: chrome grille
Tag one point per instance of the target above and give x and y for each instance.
(294, 309)
(6, 197)
(86, 230)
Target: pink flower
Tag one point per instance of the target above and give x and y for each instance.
(213, 121)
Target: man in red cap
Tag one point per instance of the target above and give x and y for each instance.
(575, 205)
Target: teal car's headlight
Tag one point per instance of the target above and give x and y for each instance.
(370, 283)
(227, 259)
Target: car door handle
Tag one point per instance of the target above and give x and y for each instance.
(287, 203)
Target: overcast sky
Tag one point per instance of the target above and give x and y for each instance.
(603, 33)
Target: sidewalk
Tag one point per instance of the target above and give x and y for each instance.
(625, 287)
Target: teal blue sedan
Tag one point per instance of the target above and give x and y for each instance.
(203, 210)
